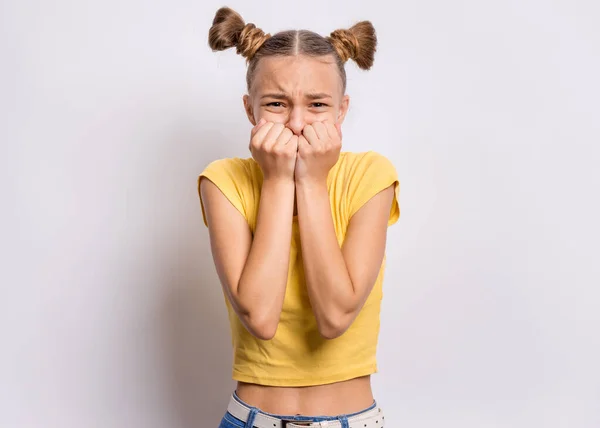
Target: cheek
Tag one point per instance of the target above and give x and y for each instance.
(306, 115)
(261, 112)
(323, 116)
(270, 116)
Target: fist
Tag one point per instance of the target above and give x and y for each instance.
(274, 147)
(319, 149)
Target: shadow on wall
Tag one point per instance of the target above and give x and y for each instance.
(195, 330)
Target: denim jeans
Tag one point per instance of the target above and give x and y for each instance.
(229, 421)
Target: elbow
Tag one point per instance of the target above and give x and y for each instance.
(333, 326)
(334, 320)
(264, 332)
(258, 320)
(261, 326)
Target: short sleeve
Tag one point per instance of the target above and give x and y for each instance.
(371, 174)
(231, 177)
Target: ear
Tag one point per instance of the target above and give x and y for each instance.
(343, 109)
(248, 108)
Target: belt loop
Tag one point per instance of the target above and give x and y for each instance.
(251, 417)
(343, 421)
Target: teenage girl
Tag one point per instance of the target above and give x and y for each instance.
(298, 233)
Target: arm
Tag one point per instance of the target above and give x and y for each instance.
(253, 272)
(340, 280)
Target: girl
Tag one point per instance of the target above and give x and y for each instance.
(298, 234)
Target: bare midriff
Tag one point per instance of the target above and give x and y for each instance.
(333, 399)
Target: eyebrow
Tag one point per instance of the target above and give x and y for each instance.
(275, 95)
(283, 96)
(318, 95)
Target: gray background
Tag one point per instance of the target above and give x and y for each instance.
(111, 312)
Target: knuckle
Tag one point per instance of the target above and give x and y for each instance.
(285, 135)
(266, 128)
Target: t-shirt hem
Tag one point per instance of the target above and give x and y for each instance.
(312, 381)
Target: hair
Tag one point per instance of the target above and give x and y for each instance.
(229, 30)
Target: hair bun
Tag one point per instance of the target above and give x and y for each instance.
(229, 30)
(358, 43)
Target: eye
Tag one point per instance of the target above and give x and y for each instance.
(319, 105)
(275, 104)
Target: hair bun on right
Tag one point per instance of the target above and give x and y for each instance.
(358, 43)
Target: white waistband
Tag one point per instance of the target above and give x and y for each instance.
(370, 419)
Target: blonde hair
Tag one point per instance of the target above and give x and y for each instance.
(229, 30)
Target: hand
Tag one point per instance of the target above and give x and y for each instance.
(319, 149)
(274, 147)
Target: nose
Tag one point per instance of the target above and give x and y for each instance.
(296, 121)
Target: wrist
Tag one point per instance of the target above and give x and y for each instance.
(278, 182)
(311, 184)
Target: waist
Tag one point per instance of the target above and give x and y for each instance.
(332, 399)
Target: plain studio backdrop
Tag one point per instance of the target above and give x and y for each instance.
(111, 313)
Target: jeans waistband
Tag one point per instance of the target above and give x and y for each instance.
(370, 417)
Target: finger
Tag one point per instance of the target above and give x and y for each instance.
(303, 144)
(321, 131)
(310, 135)
(332, 130)
(280, 145)
(292, 144)
(285, 136)
(259, 137)
(272, 135)
(256, 127)
(338, 127)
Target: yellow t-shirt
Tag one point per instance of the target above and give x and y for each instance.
(298, 355)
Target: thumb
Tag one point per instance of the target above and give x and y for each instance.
(302, 141)
(339, 129)
(293, 143)
(303, 144)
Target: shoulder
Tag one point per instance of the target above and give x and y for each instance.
(364, 175)
(236, 172)
(357, 164)
(236, 179)
(236, 166)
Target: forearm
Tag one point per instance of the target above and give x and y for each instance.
(262, 285)
(330, 289)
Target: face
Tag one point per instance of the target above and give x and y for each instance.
(296, 91)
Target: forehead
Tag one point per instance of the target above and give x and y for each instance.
(297, 74)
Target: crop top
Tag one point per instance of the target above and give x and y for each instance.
(298, 355)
